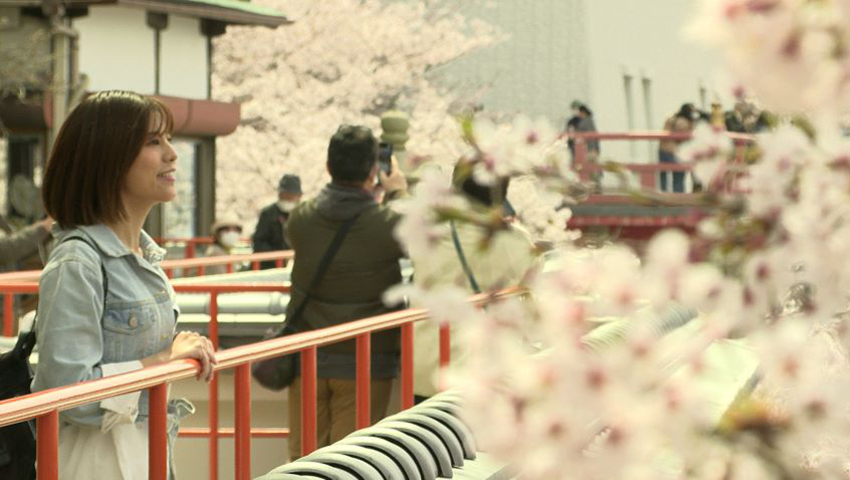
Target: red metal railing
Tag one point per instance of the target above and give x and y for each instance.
(190, 245)
(200, 264)
(44, 406)
(647, 173)
(31, 276)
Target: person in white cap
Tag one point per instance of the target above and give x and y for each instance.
(226, 234)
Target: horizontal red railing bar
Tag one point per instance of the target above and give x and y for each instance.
(18, 287)
(230, 432)
(614, 199)
(614, 221)
(63, 398)
(32, 287)
(651, 167)
(222, 287)
(33, 275)
(651, 135)
(224, 259)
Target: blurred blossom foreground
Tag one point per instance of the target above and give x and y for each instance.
(716, 356)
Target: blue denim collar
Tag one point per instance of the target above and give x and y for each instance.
(109, 244)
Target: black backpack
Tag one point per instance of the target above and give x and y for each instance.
(17, 442)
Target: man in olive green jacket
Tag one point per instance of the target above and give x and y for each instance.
(365, 265)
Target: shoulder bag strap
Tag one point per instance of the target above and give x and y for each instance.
(468, 271)
(320, 272)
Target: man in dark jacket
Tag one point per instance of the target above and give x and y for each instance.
(365, 265)
(268, 236)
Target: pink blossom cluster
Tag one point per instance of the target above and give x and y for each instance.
(721, 355)
(341, 61)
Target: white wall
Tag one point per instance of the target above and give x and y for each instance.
(183, 61)
(646, 40)
(117, 49)
(561, 50)
(540, 68)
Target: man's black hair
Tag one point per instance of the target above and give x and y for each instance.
(352, 153)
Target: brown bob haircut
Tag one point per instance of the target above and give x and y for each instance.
(93, 152)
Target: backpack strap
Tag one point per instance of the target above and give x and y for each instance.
(26, 342)
(102, 267)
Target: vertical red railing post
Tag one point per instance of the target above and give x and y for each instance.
(308, 400)
(580, 159)
(364, 380)
(406, 366)
(649, 179)
(158, 432)
(47, 446)
(169, 272)
(190, 249)
(445, 345)
(8, 315)
(229, 268)
(201, 270)
(242, 413)
(278, 263)
(255, 265)
(213, 409)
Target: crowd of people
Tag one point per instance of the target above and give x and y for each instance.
(745, 117)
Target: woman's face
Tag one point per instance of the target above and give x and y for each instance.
(151, 178)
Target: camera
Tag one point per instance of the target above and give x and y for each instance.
(385, 153)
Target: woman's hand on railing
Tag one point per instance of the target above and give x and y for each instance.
(188, 345)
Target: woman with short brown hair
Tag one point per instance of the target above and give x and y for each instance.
(106, 306)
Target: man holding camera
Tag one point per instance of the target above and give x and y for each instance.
(350, 285)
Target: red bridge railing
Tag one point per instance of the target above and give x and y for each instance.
(45, 406)
(647, 173)
(20, 279)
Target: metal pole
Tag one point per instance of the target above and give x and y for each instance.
(406, 366)
(158, 432)
(47, 446)
(364, 380)
(308, 400)
(242, 395)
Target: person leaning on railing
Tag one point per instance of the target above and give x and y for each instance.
(111, 163)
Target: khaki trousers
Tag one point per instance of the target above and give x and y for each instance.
(336, 404)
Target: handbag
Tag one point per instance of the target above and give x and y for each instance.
(17, 442)
(279, 372)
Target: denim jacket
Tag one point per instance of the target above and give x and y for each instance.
(80, 337)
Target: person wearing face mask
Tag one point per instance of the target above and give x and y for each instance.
(226, 235)
(268, 236)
